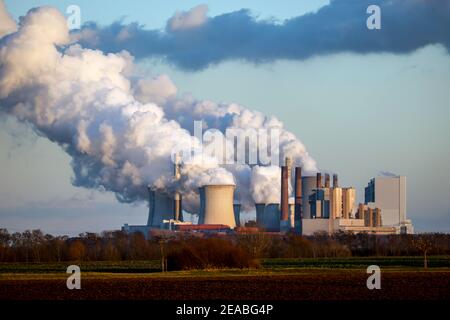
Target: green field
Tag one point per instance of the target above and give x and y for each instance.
(267, 266)
(358, 262)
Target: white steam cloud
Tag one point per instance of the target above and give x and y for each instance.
(266, 184)
(118, 128)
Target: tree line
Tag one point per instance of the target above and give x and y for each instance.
(35, 246)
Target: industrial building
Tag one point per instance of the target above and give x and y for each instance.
(316, 205)
(389, 195)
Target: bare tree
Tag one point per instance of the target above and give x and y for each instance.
(425, 244)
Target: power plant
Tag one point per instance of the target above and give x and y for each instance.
(315, 205)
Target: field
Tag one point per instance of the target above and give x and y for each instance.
(278, 279)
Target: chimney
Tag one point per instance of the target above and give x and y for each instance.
(319, 180)
(284, 193)
(327, 180)
(298, 193)
(335, 181)
(288, 164)
(178, 213)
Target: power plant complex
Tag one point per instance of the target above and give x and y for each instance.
(315, 205)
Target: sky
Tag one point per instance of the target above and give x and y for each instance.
(358, 114)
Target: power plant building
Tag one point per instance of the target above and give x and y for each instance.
(336, 203)
(389, 195)
(315, 205)
(348, 202)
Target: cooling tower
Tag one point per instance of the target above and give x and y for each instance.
(268, 216)
(237, 214)
(308, 187)
(216, 205)
(161, 207)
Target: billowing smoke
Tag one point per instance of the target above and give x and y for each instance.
(120, 129)
(266, 186)
(194, 41)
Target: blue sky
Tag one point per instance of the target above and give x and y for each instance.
(358, 115)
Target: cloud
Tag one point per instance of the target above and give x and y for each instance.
(183, 20)
(7, 24)
(406, 25)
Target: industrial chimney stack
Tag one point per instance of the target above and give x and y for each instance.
(284, 193)
(327, 180)
(335, 181)
(319, 180)
(178, 213)
(298, 200)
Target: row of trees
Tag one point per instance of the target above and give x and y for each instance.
(35, 246)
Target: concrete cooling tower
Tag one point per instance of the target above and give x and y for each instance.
(268, 216)
(161, 207)
(216, 205)
(308, 186)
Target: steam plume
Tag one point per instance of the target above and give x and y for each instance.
(118, 128)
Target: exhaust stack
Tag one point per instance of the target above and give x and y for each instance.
(178, 213)
(327, 180)
(298, 201)
(284, 193)
(335, 181)
(319, 180)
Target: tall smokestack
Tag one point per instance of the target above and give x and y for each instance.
(288, 164)
(327, 180)
(298, 200)
(284, 193)
(319, 180)
(178, 213)
(335, 181)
